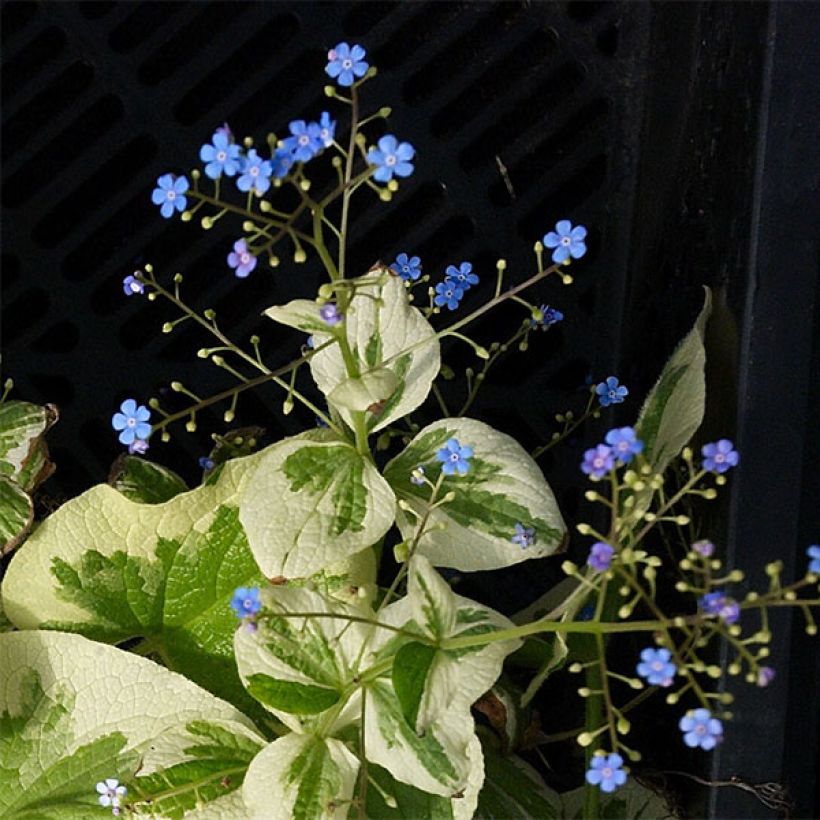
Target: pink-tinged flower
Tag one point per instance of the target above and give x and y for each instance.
(598, 461)
(241, 259)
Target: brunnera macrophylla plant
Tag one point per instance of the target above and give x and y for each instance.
(226, 651)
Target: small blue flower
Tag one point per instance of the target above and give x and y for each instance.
(391, 157)
(454, 457)
(701, 729)
(719, 456)
(598, 461)
(256, 173)
(138, 446)
(461, 276)
(417, 476)
(524, 536)
(656, 666)
(132, 285)
(720, 604)
(346, 64)
(567, 241)
(170, 194)
(282, 162)
(625, 446)
(407, 267)
(246, 602)
(600, 556)
(330, 314)
(206, 463)
(448, 294)
(549, 317)
(222, 156)
(110, 793)
(241, 259)
(605, 772)
(304, 142)
(327, 129)
(132, 420)
(814, 559)
(610, 392)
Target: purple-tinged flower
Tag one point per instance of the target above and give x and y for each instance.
(656, 666)
(330, 314)
(605, 772)
(256, 173)
(110, 793)
(720, 604)
(391, 157)
(567, 241)
(814, 559)
(448, 294)
(222, 156)
(407, 267)
(304, 142)
(624, 443)
(610, 392)
(327, 129)
(454, 458)
(206, 463)
(225, 130)
(704, 547)
(132, 420)
(246, 602)
(701, 729)
(549, 317)
(417, 476)
(241, 259)
(281, 163)
(600, 556)
(170, 194)
(138, 446)
(346, 64)
(765, 675)
(719, 456)
(132, 285)
(461, 276)
(524, 536)
(598, 461)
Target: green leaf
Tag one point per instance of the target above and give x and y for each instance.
(374, 387)
(313, 502)
(16, 514)
(410, 668)
(22, 426)
(74, 712)
(290, 696)
(503, 487)
(302, 314)
(144, 481)
(631, 800)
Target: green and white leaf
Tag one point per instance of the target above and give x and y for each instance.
(145, 482)
(301, 777)
(384, 332)
(631, 800)
(22, 426)
(16, 514)
(314, 501)
(302, 314)
(370, 388)
(74, 712)
(503, 487)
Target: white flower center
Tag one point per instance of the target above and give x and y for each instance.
(390, 159)
(657, 665)
(606, 772)
(566, 241)
(254, 172)
(304, 139)
(172, 195)
(347, 64)
(598, 462)
(719, 458)
(700, 729)
(131, 422)
(222, 156)
(244, 258)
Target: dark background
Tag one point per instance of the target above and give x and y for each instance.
(684, 135)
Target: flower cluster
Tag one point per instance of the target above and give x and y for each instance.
(622, 445)
(457, 281)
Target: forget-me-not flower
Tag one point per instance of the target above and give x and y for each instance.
(598, 461)
(700, 729)
(304, 142)
(605, 772)
(567, 241)
(132, 285)
(246, 602)
(549, 317)
(524, 536)
(330, 314)
(391, 157)
(241, 259)
(720, 604)
(407, 267)
(327, 129)
(448, 294)
(282, 162)
(656, 666)
(170, 194)
(719, 456)
(600, 556)
(624, 443)
(132, 421)
(256, 173)
(611, 392)
(461, 276)
(110, 793)
(222, 156)
(346, 64)
(454, 458)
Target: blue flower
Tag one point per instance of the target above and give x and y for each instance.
(567, 241)
(206, 463)
(305, 141)
(524, 536)
(241, 259)
(600, 556)
(407, 267)
(170, 194)
(625, 446)
(132, 420)
(448, 294)
(330, 314)
(327, 129)
(656, 666)
(814, 559)
(719, 456)
(245, 602)
(598, 461)
(346, 64)
(461, 276)
(282, 162)
(610, 392)
(454, 457)
(222, 156)
(110, 793)
(701, 729)
(720, 604)
(132, 285)
(605, 771)
(391, 157)
(256, 173)
(549, 317)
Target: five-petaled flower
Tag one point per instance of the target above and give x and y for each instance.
(720, 604)
(222, 156)
(132, 421)
(719, 456)
(598, 461)
(524, 536)
(610, 392)
(305, 141)
(330, 314)
(246, 602)
(656, 666)
(814, 559)
(549, 316)
(567, 241)
(391, 157)
(461, 276)
(132, 285)
(606, 772)
(282, 162)
(624, 443)
(600, 556)
(170, 194)
(454, 457)
(346, 64)
(110, 793)
(256, 173)
(241, 259)
(407, 267)
(448, 294)
(701, 729)
(327, 129)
